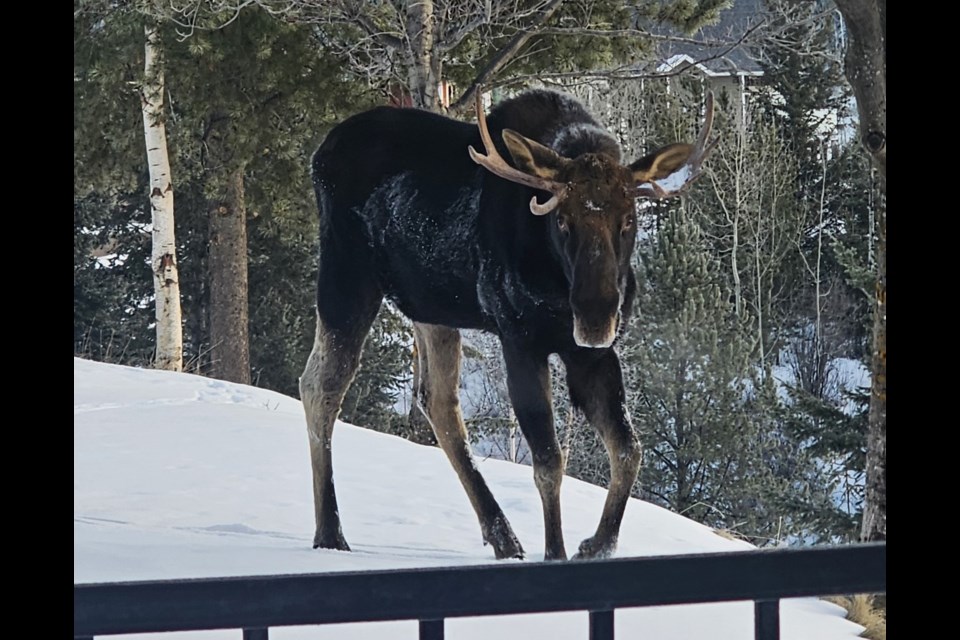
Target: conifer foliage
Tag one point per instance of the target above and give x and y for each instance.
(247, 105)
(690, 357)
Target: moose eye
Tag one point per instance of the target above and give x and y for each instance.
(562, 224)
(628, 223)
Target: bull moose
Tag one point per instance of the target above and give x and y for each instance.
(536, 251)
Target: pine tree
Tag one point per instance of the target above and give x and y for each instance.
(715, 448)
(247, 90)
(112, 316)
(276, 95)
(690, 360)
(787, 211)
(835, 437)
(807, 85)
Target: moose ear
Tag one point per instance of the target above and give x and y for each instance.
(532, 157)
(661, 163)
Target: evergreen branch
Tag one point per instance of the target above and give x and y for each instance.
(191, 10)
(699, 473)
(643, 33)
(669, 464)
(625, 72)
(659, 495)
(384, 38)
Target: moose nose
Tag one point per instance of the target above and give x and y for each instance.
(594, 294)
(596, 320)
(596, 312)
(600, 335)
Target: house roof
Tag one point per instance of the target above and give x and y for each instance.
(711, 58)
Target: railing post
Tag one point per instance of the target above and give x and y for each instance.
(255, 634)
(601, 625)
(431, 629)
(766, 619)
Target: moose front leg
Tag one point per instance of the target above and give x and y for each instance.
(528, 381)
(596, 387)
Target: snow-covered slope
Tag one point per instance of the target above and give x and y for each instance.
(183, 476)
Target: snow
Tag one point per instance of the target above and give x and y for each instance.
(180, 476)
(111, 260)
(847, 375)
(675, 180)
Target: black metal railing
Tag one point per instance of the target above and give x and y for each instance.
(254, 604)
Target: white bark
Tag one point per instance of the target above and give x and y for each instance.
(512, 437)
(422, 63)
(166, 283)
(818, 279)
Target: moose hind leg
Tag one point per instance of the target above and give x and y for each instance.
(596, 387)
(441, 347)
(330, 370)
(528, 381)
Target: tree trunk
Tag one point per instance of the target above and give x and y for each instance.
(229, 311)
(166, 283)
(866, 70)
(875, 507)
(423, 65)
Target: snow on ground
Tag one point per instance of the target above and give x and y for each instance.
(180, 476)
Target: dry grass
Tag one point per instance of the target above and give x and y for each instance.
(866, 610)
(729, 534)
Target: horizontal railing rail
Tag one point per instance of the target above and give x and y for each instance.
(430, 595)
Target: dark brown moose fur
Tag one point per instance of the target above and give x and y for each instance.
(407, 214)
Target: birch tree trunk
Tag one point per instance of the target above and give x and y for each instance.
(166, 282)
(423, 64)
(229, 309)
(866, 70)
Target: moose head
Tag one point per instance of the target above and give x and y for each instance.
(593, 212)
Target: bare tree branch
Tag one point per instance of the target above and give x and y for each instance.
(504, 55)
(623, 72)
(390, 40)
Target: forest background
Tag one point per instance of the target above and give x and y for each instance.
(760, 323)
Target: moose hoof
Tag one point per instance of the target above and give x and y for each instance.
(596, 548)
(330, 541)
(510, 550)
(501, 537)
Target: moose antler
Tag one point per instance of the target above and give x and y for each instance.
(495, 163)
(688, 172)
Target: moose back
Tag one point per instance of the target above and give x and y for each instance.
(535, 250)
